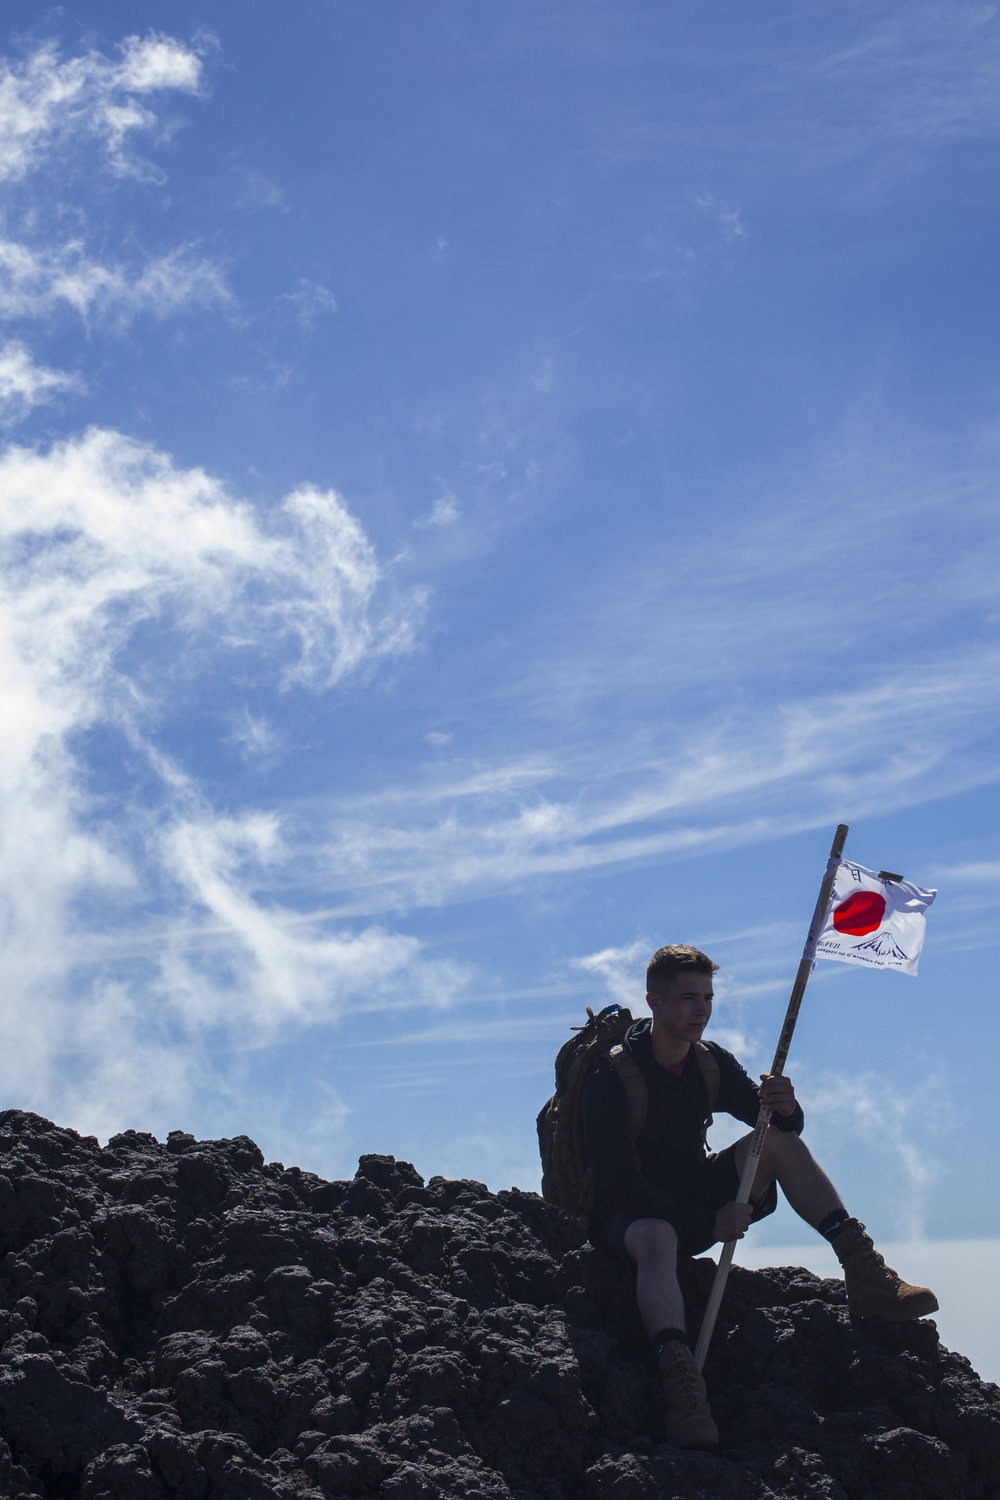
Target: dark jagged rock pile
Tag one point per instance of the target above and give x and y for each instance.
(184, 1322)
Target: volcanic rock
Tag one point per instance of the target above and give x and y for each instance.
(183, 1321)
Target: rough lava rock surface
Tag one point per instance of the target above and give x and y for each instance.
(186, 1322)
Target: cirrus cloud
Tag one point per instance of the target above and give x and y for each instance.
(48, 104)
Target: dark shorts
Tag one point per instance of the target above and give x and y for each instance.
(718, 1183)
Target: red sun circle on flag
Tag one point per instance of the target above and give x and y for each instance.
(860, 914)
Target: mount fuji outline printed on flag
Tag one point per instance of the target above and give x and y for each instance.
(874, 921)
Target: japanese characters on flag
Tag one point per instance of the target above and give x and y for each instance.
(875, 922)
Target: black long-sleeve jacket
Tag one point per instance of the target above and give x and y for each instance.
(662, 1183)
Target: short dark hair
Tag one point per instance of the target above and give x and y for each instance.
(677, 958)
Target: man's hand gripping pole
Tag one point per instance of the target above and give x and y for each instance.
(777, 1067)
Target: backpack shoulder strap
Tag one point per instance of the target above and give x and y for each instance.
(634, 1084)
(708, 1065)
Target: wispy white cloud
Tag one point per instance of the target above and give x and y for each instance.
(157, 62)
(58, 119)
(879, 93)
(258, 191)
(983, 872)
(620, 970)
(969, 892)
(49, 106)
(282, 974)
(25, 384)
(544, 380)
(142, 539)
(444, 512)
(309, 302)
(727, 220)
(37, 282)
(257, 739)
(467, 1027)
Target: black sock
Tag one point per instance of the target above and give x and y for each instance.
(667, 1336)
(833, 1223)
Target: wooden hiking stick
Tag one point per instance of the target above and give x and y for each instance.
(777, 1067)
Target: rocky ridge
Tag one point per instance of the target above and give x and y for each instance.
(183, 1321)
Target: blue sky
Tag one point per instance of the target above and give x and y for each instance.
(484, 491)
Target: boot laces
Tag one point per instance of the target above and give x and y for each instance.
(689, 1383)
(872, 1257)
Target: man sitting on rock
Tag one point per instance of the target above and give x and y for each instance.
(667, 1194)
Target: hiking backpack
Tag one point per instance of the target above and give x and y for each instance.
(567, 1180)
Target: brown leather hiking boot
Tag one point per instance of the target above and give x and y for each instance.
(873, 1288)
(689, 1420)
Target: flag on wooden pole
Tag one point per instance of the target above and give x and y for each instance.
(862, 918)
(874, 919)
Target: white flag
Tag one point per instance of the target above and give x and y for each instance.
(873, 921)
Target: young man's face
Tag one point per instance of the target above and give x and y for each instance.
(683, 1011)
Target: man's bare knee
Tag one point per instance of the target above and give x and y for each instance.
(782, 1148)
(784, 1143)
(651, 1242)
